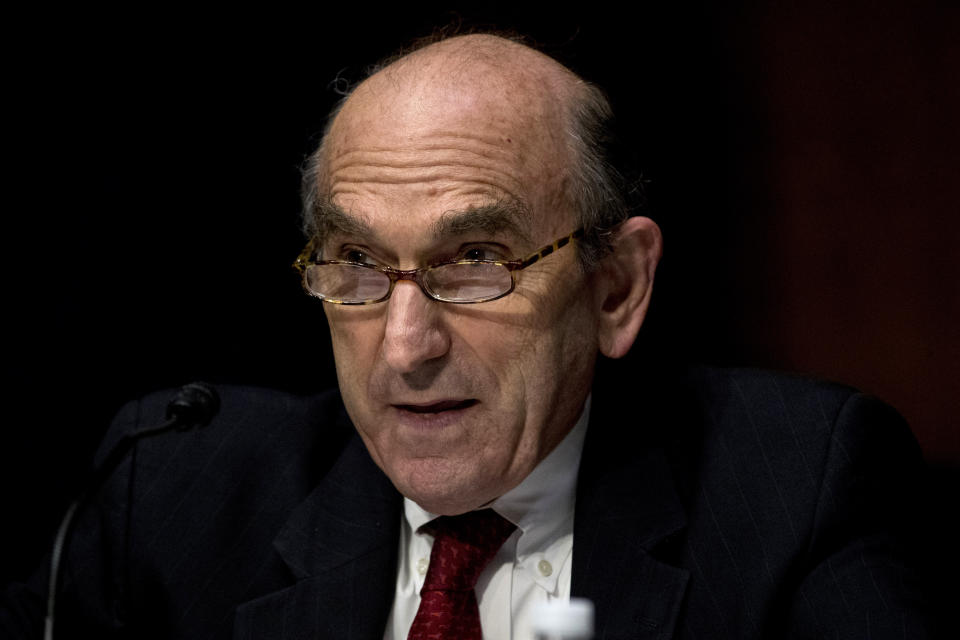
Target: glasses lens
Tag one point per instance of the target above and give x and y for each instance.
(346, 282)
(469, 281)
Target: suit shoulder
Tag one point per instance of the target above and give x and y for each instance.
(787, 422)
(790, 427)
(754, 397)
(249, 419)
(264, 449)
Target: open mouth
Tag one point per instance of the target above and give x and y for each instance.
(438, 407)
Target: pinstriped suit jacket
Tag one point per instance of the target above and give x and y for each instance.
(736, 504)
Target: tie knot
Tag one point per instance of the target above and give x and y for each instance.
(462, 548)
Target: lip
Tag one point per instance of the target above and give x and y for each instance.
(434, 414)
(437, 406)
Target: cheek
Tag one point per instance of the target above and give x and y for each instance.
(353, 330)
(521, 356)
(559, 357)
(489, 345)
(356, 342)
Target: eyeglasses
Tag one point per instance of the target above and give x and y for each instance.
(457, 281)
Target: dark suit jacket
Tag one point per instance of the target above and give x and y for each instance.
(738, 504)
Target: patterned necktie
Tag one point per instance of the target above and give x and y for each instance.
(462, 547)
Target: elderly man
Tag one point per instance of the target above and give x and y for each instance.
(474, 254)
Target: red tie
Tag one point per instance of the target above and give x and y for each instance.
(462, 547)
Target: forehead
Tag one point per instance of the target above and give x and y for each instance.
(438, 144)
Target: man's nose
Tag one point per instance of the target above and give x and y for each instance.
(415, 333)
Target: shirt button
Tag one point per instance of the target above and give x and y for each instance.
(545, 568)
(422, 565)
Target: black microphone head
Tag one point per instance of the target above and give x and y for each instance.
(194, 405)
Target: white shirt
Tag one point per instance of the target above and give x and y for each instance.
(532, 566)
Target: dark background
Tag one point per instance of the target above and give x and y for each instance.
(803, 163)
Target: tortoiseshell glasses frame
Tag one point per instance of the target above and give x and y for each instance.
(367, 283)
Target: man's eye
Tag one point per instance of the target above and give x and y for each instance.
(356, 255)
(481, 253)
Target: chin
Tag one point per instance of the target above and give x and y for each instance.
(444, 493)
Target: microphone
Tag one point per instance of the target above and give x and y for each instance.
(195, 405)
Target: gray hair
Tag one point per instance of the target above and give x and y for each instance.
(599, 191)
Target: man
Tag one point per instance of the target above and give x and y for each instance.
(469, 149)
(474, 253)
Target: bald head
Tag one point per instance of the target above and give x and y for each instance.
(483, 70)
(523, 116)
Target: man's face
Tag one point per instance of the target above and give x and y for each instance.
(457, 403)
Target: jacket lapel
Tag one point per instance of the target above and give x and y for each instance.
(628, 512)
(341, 545)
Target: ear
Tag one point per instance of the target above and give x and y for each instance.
(625, 283)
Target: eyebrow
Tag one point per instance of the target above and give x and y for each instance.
(332, 220)
(502, 217)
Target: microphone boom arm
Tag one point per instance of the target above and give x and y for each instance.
(194, 405)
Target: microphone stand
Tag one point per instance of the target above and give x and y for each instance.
(193, 406)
